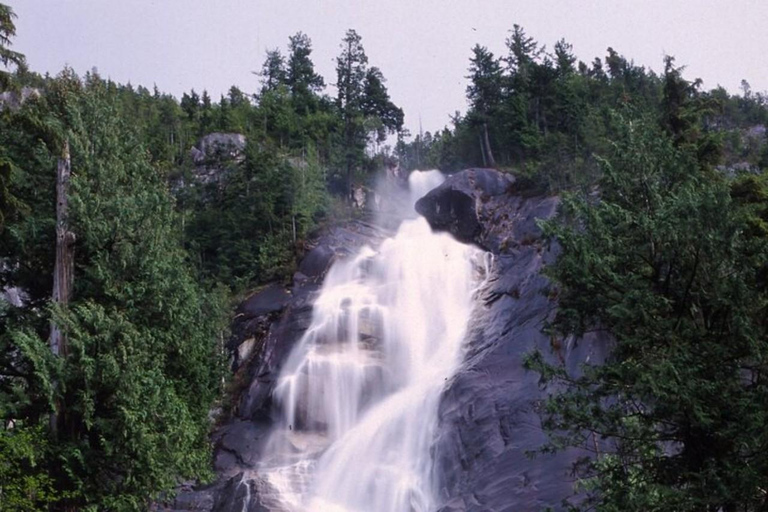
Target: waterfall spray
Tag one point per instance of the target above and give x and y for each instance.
(359, 394)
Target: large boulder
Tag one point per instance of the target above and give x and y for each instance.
(219, 145)
(488, 419)
(481, 207)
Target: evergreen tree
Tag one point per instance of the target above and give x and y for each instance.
(351, 66)
(190, 104)
(524, 51)
(485, 93)
(564, 57)
(273, 72)
(206, 114)
(301, 78)
(377, 105)
(665, 262)
(7, 56)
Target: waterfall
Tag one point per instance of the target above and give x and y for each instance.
(359, 393)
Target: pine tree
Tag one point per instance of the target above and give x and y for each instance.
(301, 78)
(351, 68)
(377, 105)
(485, 93)
(273, 72)
(564, 57)
(664, 260)
(7, 56)
(524, 51)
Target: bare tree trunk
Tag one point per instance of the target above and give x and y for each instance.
(487, 140)
(350, 189)
(63, 270)
(482, 149)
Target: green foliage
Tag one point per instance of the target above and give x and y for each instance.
(143, 365)
(667, 260)
(9, 204)
(486, 82)
(264, 206)
(301, 78)
(543, 116)
(24, 482)
(273, 72)
(8, 56)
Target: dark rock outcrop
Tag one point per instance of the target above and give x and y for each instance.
(488, 417)
(252, 321)
(214, 156)
(480, 206)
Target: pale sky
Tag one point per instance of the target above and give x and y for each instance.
(422, 46)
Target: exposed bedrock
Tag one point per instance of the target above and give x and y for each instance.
(488, 420)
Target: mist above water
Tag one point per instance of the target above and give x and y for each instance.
(359, 393)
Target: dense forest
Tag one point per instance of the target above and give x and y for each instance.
(663, 233)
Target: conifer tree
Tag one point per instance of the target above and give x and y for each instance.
(485, 93)
(666, 263)
(273, 72)
(351, 67)
(301, 78)
(7, 32)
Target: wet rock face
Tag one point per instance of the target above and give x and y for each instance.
(336, 243)
(252, 322)
(488, 417)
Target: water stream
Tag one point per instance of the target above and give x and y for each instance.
(359, 394)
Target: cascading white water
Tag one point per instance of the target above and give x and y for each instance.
(359, 394)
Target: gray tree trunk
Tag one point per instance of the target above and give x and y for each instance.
(63, 270)
(482, 149)
(488, 152)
